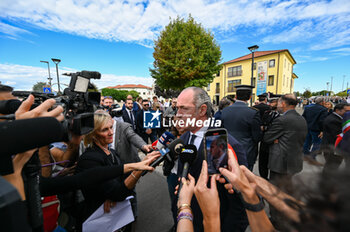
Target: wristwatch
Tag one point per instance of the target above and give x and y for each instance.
(256, 207)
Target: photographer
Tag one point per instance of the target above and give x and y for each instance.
(99, 154)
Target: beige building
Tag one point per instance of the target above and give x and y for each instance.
(275, 74)
(144, 91)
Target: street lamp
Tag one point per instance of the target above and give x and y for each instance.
(48, 69)
(56, 61)
(252, 49)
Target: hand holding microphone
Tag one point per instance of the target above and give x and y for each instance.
(187, 156)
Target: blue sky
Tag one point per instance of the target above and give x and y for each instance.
(116, 37)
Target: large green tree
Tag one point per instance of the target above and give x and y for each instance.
(38, 87)
(185, 54)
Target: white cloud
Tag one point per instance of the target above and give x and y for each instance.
(140, 21)
(24, 77)
(11, 31)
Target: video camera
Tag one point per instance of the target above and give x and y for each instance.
(78, 103)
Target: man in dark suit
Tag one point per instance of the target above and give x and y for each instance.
(332, 126)
(194, 104)
(314, 116)
(243, 123)
(286, 137)
(145, 133)
(262, 106)
(129, 115)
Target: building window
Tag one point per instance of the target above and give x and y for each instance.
(208, 87)
(217, 89)
(272, 63)
(254, 81)
(288, 66)
(284, 79)
(254, 67)
(218, 74)
(234, 71)
(231, 85)
(271, 79)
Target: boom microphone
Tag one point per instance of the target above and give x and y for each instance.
(22, 135)
(187, 156)
(168, 153)
(9, 106)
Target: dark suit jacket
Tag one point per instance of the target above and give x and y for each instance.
(286, 136)
(332, 126)
(232, 212)
(139, 123)
(126, 117)
(262, 107)
(314, 116)
(243, 123)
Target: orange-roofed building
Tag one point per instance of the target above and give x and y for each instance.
(273, 68)
(144, 91)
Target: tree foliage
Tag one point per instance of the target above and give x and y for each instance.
(38, 87)
(166, 93)
(185, 54)
(307, 93)
(119, 94)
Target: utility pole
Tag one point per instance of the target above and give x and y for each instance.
(331, 86)
(48, 69)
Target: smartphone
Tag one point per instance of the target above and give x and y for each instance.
(215, 149)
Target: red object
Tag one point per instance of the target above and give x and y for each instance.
(233, 151)
(51, 210)
(154, 145)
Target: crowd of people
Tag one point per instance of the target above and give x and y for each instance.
(104, 166)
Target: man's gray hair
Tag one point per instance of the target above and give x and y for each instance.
(200, 97)
(319, 100)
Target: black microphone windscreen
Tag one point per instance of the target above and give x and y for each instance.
(22, 135)
(9, 106)
(188, 154)
(175, 147)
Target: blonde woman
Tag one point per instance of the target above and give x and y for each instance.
(98, 154)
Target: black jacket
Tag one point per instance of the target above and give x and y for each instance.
(286, 136)
(332, 126)
(262, 107)
(126, 118)
(314, 116)
(113, 189)
(232, 213)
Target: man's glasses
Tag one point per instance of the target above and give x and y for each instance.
(145, 104)
(110, 97)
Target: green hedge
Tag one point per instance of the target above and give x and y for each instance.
(119, 94)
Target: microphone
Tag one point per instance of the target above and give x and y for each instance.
(22, 135)
(168, 153)
(9, 106)
(164, 139)
(187, 156)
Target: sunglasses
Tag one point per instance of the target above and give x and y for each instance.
(145, 104)
(110, 97)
